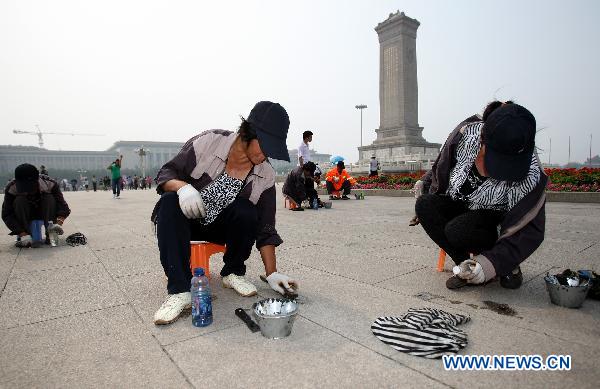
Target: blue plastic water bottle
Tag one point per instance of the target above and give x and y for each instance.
(36, 230)
(201, 299)
(315, 205)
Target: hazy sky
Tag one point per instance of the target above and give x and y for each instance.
(166, 70)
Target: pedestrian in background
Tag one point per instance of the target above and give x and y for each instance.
(373, 167)
(115, 170)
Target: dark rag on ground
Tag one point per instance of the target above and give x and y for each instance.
(423, 332)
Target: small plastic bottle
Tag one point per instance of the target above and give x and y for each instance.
(201, 299)
(52, 235)
(315, 205)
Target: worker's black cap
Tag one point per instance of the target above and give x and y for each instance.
(310, 167)
(26, 178)
(270, 121)
(509, 137)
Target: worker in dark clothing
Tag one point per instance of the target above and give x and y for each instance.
(31, 196)
(296, 189)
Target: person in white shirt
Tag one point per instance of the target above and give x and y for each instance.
(303, 149)
(304, 157)
(373, 167)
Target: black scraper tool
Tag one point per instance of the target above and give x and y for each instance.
(239, 312)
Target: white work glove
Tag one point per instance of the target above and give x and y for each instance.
(336, 179)
(190, 202)
(56, 228)
(418, 189)
(471, 271)
(281, 283)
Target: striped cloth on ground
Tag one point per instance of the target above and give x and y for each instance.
(423, 332)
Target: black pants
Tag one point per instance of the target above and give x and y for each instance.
(456, 229)
(345, 187)
(27, 210)
(311, 192)
(373, 173)
(235, 227)
(116, 186)
(95, 185)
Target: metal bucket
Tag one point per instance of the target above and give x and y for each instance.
(566, 296)
(327, 204)
(275, 317)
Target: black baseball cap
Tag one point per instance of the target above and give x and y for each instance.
(270, 121)
(509, 138)
(310, 167)
(26, 178)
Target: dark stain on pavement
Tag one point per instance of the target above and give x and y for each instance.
(501, 309)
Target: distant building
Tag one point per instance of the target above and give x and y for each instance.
(158, 153)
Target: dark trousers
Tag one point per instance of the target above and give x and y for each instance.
(311, 192)
(345, 187)
(116, 186)
(455, 228)
(26, 211)
(95, 186)
(373, 173)
(235, 227)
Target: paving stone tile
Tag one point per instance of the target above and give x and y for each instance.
(349, 308)
(312, 356)
(47, 257)
(41, 295)
(104, 348)
(147, 292)
(531, 303)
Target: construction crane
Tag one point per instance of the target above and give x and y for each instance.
(39, 134)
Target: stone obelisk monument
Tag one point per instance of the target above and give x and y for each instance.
(399, 137)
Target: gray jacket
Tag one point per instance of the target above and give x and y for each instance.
(203, 158)
(521, 230)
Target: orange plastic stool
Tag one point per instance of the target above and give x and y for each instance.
(441, 260)
(201, 252)
(287, 201)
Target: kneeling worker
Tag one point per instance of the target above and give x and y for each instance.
(338, 179)
(485, 195)
(221, 188)
(31, 196)
(296, 189)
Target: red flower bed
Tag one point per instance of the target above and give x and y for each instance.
(384, 181)
(561, 180)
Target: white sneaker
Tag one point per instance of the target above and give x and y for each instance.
(24, 241)
(173, 307)
(239, 284)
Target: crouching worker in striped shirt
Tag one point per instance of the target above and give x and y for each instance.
(221, 188)
(485, 195)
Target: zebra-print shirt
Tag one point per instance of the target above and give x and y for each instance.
(218, 195)
(491, 194)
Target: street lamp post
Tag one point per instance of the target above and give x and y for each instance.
(361, 107)
(142, 152)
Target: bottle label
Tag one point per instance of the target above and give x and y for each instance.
(202, 305)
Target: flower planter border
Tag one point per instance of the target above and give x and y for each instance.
(554, 197)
